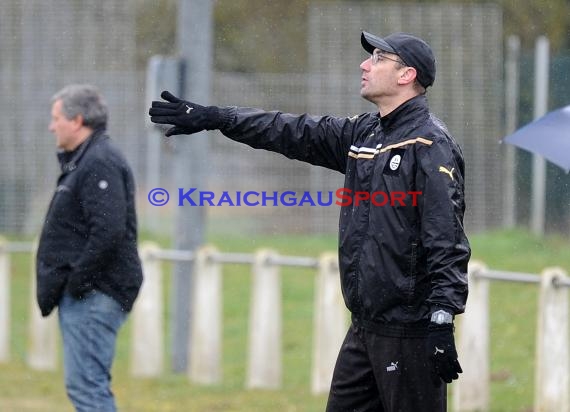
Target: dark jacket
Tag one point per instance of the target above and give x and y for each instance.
(402, 260)
(89, 237)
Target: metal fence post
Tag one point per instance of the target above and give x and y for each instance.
(552, 368)
(42, 351)
(541, 76)
(147, 345)
(205, 349)
(264, 360)
(330, 323)
(512, 63)
(4, 302)
(471, 390)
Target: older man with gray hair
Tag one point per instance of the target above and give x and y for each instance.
(87, 260)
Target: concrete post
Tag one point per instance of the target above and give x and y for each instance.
(205, 351)
(147, 342)
(330, 323)
(264, 361)
(552, 368)
(471, 390)
(42, 351)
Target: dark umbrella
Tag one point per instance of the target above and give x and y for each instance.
(548, 136)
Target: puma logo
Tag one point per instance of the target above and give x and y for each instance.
(188, 108)
(447, 171)
(393, 367)
(437, 350)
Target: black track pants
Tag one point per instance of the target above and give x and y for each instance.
(375, 373)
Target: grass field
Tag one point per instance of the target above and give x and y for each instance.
(513, 312)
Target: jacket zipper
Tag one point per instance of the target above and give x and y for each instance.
(413, 262)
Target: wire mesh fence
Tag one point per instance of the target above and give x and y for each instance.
(45, 46)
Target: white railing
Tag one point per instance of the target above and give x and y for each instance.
(264, 370)
(471, 391)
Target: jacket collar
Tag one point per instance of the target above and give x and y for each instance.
(409, 111)
(68, 160)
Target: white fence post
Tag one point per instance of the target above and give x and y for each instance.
(471, 390)
(205, 346)
(4, 302)
(42, 352)
(264, 360)
(552, 368)
(147, 332)
(330, 324)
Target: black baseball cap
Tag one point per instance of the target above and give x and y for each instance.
(412, 50)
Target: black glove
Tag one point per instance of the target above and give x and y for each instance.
(186, 117)
(440, 346)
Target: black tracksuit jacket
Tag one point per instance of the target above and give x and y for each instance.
(401, 261)
(89, 237)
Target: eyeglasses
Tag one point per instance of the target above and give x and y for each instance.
(378, 56)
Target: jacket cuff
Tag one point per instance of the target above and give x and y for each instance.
(226, 116)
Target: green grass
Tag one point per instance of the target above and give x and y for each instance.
(513, 312)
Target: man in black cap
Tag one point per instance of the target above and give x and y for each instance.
(403, 265)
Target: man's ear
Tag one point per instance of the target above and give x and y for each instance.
(408, 75)
(78, 121)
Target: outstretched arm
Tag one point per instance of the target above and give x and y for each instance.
(322, 141)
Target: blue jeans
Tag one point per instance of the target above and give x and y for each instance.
(89, 330)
